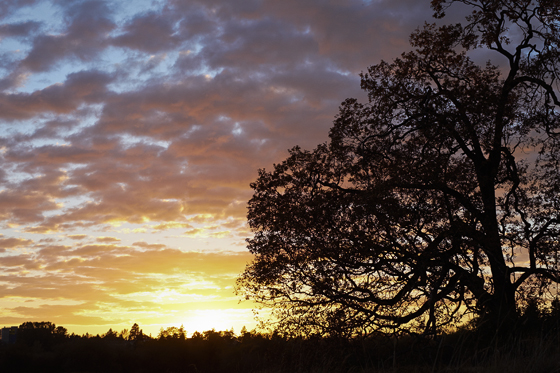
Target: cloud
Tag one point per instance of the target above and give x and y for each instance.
(89, 279)
(77, 236)
(85, 36)
(20, 29)
(12, 242)
(107, 239)
(117, 120)
(83, 87)
(170, 225)
(8, 7)
(149, 32)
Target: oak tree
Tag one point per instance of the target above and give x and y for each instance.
(436, 199)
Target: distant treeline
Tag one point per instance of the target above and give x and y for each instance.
(45, 347)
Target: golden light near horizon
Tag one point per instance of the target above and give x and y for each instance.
(129, 135)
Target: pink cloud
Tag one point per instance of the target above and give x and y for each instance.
(149, 32)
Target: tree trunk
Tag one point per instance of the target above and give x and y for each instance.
(500, 313)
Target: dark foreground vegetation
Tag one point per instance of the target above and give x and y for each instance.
(534, 346)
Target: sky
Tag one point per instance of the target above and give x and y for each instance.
(130, 131)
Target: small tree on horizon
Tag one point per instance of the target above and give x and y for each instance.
(437, 199)
(172, 333)
(135, 333)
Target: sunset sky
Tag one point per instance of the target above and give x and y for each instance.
(130, 131)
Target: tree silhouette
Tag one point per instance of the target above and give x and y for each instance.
(111, 335)
(172, 333)
(135, 333)
(435, 200)
(43, 333)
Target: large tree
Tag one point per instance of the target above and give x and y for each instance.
(437, 198)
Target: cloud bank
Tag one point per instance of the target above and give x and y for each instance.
(130, 131)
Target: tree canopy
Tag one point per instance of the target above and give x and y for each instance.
(437, 199)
